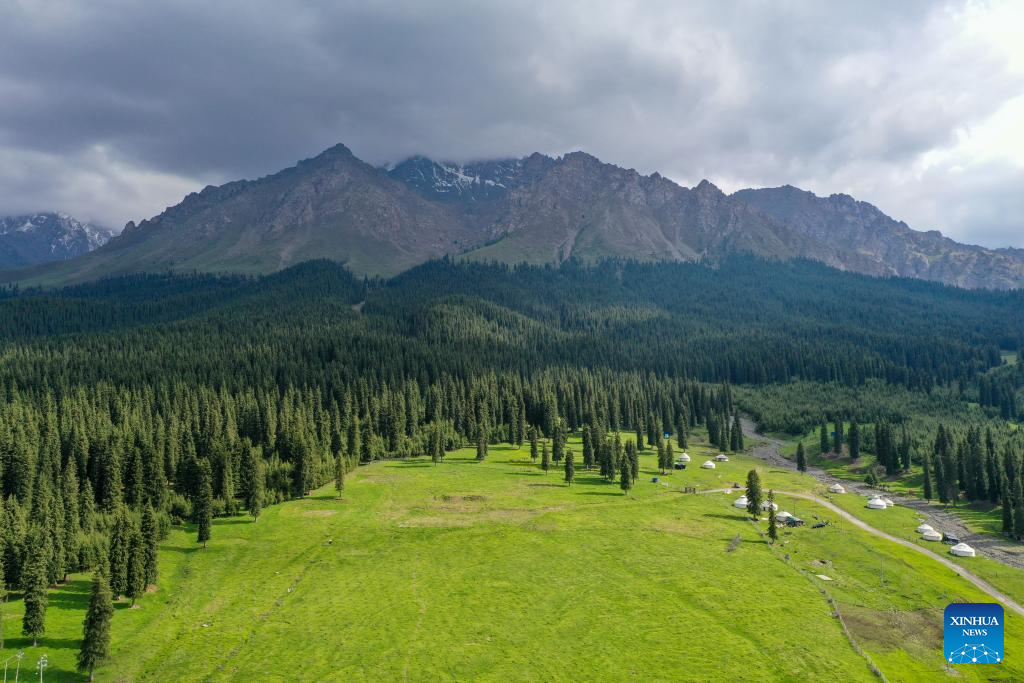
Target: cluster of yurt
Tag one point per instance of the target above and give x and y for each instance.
(722, 457)
(740, 502)
(876, 503)
(962, 550)
(836, 488)
(708, 465)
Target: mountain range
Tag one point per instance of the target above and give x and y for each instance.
(45, 237)
(536, 209)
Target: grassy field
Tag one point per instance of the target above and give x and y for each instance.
(496, 571)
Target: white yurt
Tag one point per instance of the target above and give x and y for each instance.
(962, 550)
(685, 457)
(708, 465)
(740, 502)
(774, 508)
(836, 488)
(782, 516)
(877, 504)
(722, 457)
(924, 527)
(932, 535)
(888, 503)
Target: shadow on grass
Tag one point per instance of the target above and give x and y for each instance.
(23, 643)
(602, 493)
(552, 484)
(720, 515)
(526, 474)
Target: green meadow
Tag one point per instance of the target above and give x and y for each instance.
(497, 571)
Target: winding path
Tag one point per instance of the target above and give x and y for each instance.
(769, 451)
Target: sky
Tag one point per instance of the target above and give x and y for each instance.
(112, 110)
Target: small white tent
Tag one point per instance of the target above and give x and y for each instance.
(685, 457)
(708, 465)
(740, 502)
(888, 503)
(782, 516)
(836, 488)
(877, 504)
(722, 457)
(932, 535)
(962, 550)
(764, 506)
(924, 527)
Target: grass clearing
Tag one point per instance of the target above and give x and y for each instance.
(496, 571)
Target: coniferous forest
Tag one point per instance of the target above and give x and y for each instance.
(132, 404)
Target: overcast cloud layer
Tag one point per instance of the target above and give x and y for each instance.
(113, 110)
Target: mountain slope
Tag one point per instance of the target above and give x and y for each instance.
(538, 209)
(887, 246)
(45, 237)
(332, 206)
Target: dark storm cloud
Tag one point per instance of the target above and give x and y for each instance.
(113, 109)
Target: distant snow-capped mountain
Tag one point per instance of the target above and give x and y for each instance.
(44, 237)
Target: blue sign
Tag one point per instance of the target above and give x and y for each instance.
(973, 633)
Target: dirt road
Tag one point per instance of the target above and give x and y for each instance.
(985, 544)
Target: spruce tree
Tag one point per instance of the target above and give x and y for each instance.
(670, 457)
(854, 441)
(558, 442)
(36, 584)
(204, 504)
(625, 476)
(545, 458)
(634, 460)
(151, 544)
(801, 457)
(773, 529)
(96, 632)
(119, 553)
(256, 491)
(136, 565)
(927, 466)
(1018, 510)
(754, 498)
(570, 470)
(533, 444)
(838, 438)
(481, 445)
(588, 449)
(339, 473)
(1007, 510)
(824, 441)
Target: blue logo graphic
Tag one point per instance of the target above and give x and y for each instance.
(973, 633)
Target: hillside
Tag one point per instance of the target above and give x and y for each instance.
(536, 210)
(887, 246)
(495, 570)
(45, 237)
(186, 400)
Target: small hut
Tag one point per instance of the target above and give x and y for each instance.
(962, 550)
(932, 535)
(924, 527)
(708, 465)
(836, 488)
(740, 502)
(876, 503)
